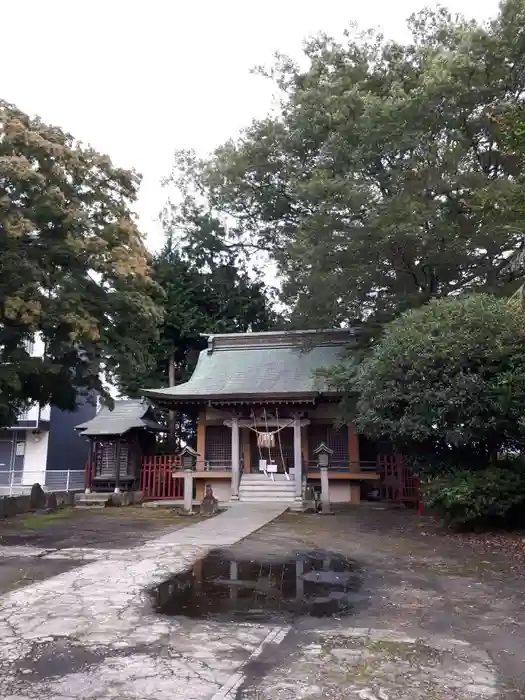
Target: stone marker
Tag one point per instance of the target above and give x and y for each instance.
(209, 505)
(37, 498)
(51, 503)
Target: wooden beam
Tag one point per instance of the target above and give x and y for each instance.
(272, 423)
(348, 476)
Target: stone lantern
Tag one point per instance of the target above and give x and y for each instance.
(323, 454)
(188, 461)
(188, 457)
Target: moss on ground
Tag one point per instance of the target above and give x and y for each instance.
(36, 521)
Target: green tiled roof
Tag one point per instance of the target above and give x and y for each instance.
(237, 366)
(125, 415)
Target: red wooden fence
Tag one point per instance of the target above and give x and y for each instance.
(161, 477)
(398, 483)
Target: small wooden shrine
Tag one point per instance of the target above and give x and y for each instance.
(118, 439)
(263, 410)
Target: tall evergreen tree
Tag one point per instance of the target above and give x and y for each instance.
(206, 289)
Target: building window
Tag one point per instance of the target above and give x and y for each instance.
(335, 439)
(218, 445)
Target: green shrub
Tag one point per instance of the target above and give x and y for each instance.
(492, 497)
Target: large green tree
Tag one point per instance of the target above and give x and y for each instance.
(73, 267)
(446, 382)
(205, 291)
(382, 180)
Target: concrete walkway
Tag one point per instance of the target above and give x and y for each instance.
(90, 633)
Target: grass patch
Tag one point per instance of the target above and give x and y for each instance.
(139, 513)
(37, 521)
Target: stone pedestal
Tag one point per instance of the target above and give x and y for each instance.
(325, 492)
(188, 490)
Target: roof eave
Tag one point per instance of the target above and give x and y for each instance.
(241, 398)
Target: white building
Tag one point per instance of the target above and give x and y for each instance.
(43, 446)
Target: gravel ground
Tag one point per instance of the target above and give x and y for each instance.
(442, 617)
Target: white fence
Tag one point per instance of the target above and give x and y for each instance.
(13, 483)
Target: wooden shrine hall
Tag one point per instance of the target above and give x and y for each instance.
(119, 438)
(263, 410)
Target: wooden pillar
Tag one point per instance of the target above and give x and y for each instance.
(235, 458)
(91, 465)
(355, 492)
(117, 465)
(304, 442)
(201, 450)
(201, 441)
(246, 450)
(297, 458)
(353, 448)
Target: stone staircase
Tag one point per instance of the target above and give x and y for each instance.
(92, 501)
(258, 488)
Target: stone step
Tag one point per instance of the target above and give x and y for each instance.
(261, 475)
(269, 494)
(265, 499)
(269, 482)
(89, 506)
(92, 497)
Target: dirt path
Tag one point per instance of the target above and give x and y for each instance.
(433, 617)
(437, 620)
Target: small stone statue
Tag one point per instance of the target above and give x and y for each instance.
(209, 505)
(51, 503)
(37, 498)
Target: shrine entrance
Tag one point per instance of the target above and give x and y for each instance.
(273, 449)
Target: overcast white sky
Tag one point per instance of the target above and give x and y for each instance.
(139, 78)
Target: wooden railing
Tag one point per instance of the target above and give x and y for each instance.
(162, 478)
(217, 465)
(340, 466)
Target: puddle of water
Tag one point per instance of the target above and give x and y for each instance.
(317, 584)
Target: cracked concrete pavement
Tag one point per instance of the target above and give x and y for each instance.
(433, 624)
(100, 611)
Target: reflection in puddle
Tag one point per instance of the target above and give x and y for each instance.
(319, 584)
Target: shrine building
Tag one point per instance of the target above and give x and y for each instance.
(263, 409)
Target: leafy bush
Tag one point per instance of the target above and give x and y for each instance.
(447, 382)
(493, 497)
